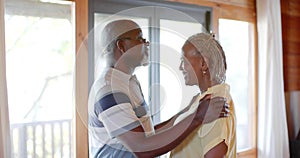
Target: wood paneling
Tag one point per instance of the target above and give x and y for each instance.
(290, 7)
(243, 10)
(291, 47)
(247, 154)
(292, 61)
(237, 13)
(240, 3)
(290, 28)
(290, 16)
(81, 88)
(292, 78)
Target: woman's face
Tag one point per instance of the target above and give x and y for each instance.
(191, 64)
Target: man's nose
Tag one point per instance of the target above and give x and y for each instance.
(147, 43)
(181, 66)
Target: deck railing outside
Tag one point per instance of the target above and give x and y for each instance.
(51, 139)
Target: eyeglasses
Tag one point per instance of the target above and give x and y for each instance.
(140, 39)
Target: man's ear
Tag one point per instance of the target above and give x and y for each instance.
(120, 46)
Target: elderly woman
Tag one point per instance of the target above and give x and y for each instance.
(203, 64)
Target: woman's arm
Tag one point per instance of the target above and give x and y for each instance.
(168, 139)
(219, 151)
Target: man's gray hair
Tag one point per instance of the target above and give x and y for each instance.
(211, 50)
(109, 35)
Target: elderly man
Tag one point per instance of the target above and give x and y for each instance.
(119, 121)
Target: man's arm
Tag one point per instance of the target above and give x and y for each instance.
(169, 123)
(168, 139)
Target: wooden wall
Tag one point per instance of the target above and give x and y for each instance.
(244, 10)
(290, 14)
(81, 75)
(229, 8)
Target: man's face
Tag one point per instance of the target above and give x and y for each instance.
(190, 65)
(136, 47)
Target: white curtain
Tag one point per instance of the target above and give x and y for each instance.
(4, 119)
(272, 122)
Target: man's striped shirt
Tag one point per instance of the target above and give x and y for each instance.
(116, 106)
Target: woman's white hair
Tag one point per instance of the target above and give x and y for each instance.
(213, 53)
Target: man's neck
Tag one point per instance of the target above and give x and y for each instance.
(124, 68)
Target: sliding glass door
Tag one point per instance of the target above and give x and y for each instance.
(166, 25)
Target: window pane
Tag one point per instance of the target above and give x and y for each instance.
(174, 93)
(40, 65)
(235, 38)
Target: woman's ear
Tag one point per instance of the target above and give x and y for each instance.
(120, 46)
(204, 65)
